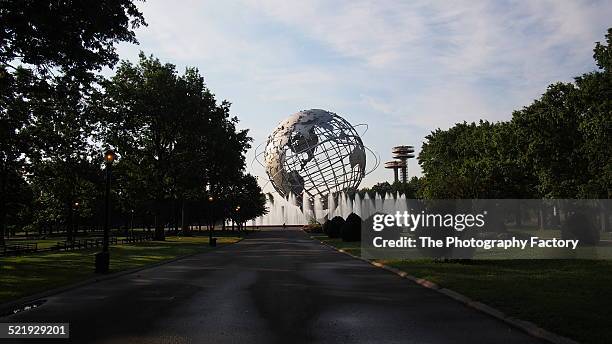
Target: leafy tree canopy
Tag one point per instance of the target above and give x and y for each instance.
(558, 146)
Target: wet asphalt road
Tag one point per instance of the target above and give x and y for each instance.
(276, 286)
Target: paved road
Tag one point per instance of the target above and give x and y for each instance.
(277, 286)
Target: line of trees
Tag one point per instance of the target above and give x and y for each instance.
(557, 147)
(411, 189)
(176, 144)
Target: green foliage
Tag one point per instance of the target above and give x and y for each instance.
(72, 37)
(557, 147)
(246, 200)
(579, 226)
(313, 226)
(351, 229)
(176, 143)
(412, 189)
(603, 53)
(326, 227)
(472, 161)
(49, 54)
(529, 289)
(334, 229)
(568, 130)
(25, 275)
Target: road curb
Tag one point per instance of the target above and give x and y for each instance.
(8, 307)
(525, 326)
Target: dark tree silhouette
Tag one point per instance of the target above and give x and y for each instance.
(49, 54)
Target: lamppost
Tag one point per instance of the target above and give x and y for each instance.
(76, 225)
(132, 223)
(211, 241)
(238, 218)
(103, 258)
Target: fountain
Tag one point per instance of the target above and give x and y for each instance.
(287, 210)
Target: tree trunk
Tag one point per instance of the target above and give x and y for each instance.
(159, 229)
(603, 213)
(184, 226)
(540, 218)
(519, 215)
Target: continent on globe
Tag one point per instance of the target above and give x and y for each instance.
(314, 152)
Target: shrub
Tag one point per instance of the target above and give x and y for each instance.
(335, 227)
(578, 226)
(326, 227)
(313, 227)
(351, 229)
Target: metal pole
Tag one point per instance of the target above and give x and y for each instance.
(106, 208)
(211, 240)
(76, 210)
(211, 222)
(183, 215)
(102, 260)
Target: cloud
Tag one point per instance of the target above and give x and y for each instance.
(404, 67)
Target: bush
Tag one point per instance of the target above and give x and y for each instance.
(326, 226)
(313, 227)
(351, 230)
(578, 226)
(335, 227)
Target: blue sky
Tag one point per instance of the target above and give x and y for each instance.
(405, 68)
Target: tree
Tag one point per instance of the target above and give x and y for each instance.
(49, 53)
(61, 195)
(62, 159)
(569, 129)
(595, 96)
(550, 142)
(247, 200)
(141, 113)
(74, 38)
(175, 142)
(14, 119)
(476, 160)
(556, 147)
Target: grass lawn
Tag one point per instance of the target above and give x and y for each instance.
(25, 275)
(569, 297)
(42, 243)
(552, 233)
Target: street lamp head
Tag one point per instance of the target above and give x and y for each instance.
(238, 208)
(211, 198)
(76, 204)
(109, 156)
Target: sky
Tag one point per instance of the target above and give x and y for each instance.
(405, 68)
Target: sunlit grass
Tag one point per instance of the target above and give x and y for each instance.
(25, 275)
(42, 243)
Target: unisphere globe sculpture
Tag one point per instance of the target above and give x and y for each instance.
(314, 152)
